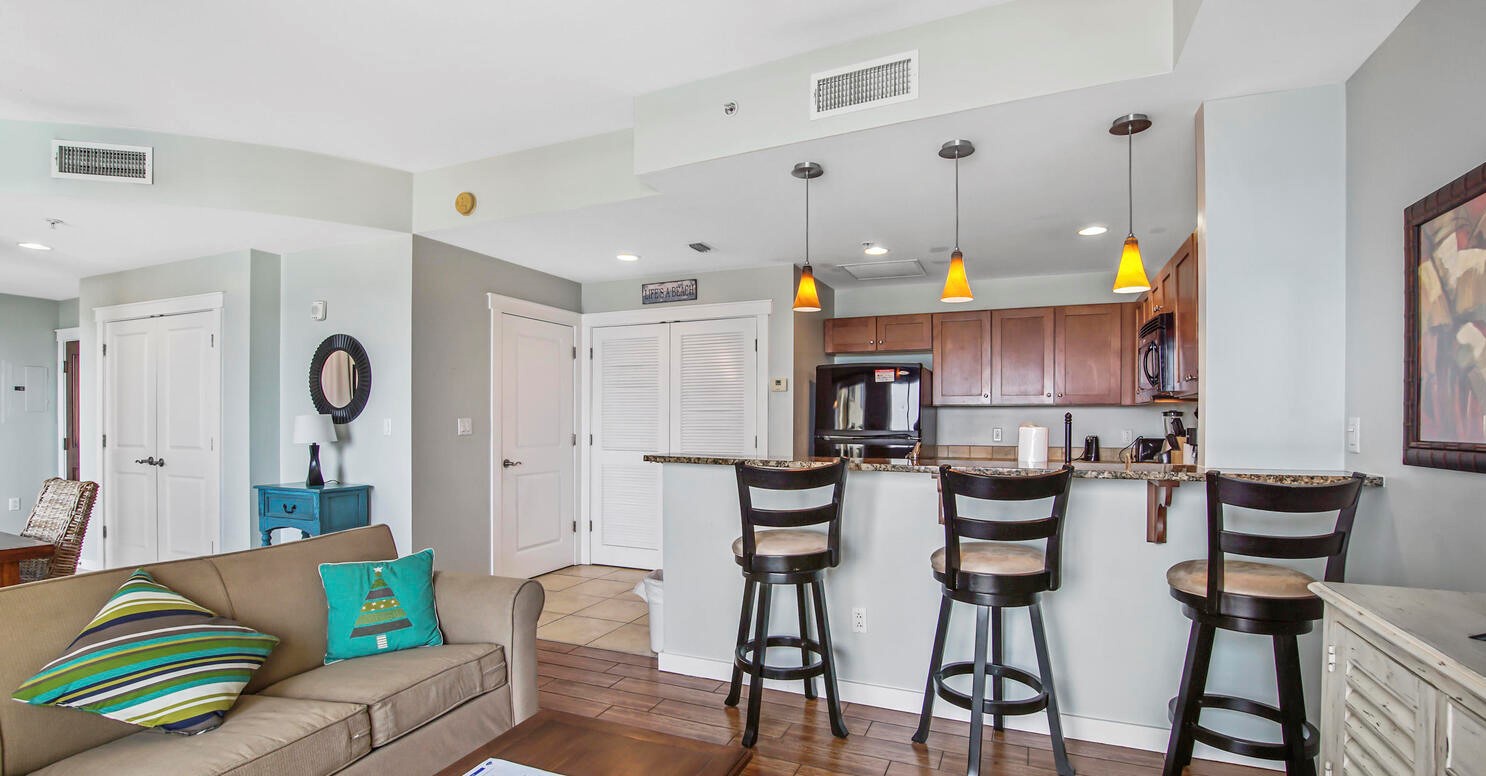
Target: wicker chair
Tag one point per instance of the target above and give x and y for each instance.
(60, 517)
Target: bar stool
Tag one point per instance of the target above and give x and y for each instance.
(1258, 598)
(787, 555)
(993, 574)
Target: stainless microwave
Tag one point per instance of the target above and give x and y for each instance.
(1156, 358)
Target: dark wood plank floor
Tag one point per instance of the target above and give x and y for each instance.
(794, 735)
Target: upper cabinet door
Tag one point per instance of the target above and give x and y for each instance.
(1184, 298)
(851, 335)
(1022, 356)
(1090, 351)
(905, 332)
(962, 357)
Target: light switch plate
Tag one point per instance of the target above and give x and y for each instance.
(1127, 437)
(996, 434)
(1354, 435)
(779, 385)
(465, 426)
(13, 505)
(386, 426)
(317, 310)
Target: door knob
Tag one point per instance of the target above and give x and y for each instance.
(508, 463)
(159, 461)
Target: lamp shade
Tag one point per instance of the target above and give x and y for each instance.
(1131, 278)
(313, 429)
(806, 298)
(956, 285)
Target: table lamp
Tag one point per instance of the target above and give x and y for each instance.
(312, 430)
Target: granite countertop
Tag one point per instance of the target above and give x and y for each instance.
(1156, 472)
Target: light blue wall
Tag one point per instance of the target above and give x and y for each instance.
(28, 440)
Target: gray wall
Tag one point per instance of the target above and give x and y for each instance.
(451, 379)
(244, 368)
(1414, 124)
(776, 283)
(28, 440)
(367, 289)
(67, 313)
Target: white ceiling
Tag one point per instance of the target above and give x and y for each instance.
(404, 84)
(1044, 168)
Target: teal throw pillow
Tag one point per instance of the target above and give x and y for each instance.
(379, 606)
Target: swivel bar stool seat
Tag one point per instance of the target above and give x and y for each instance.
(991, 574)
(779, 547)
(1258, 598)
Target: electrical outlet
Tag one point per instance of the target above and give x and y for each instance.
(996, 434)
(386, 426)
(1127, 437)
(464, 426)
(1354, 435)
(13, 505)
(859, 619)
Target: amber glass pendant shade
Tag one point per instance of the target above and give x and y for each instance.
(956, 285)
(1131, 277)
(806, 299)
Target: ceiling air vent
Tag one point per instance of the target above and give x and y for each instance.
(864, 85)
(884, 270)
(102, 162)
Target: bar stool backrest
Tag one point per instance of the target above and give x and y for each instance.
(1226, 490)
(1004, 488)
(751, 476)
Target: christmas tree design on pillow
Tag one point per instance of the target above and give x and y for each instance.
(380, 612)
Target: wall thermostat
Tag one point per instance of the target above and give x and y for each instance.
(317, 310)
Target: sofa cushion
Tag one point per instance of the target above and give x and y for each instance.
(402, 690)
(261, 737)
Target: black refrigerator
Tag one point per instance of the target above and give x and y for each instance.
(872, 410)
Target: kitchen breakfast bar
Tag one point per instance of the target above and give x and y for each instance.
(1112, 625)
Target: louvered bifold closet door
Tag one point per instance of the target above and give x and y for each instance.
(714, 379)
(1378, 722)
(631, 403)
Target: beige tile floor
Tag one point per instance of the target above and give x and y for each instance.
(595, 606)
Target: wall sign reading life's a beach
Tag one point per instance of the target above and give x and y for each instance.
(669, 291)
(1445, 327)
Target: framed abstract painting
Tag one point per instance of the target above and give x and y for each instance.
(1445, 327)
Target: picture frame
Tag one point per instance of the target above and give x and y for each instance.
(1445, 327)
(669, 291)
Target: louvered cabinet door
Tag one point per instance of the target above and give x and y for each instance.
(715, 393)
(631, 404)
(1377, 716)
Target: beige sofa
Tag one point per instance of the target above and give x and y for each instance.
(410, 712)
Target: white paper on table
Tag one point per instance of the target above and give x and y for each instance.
(493, 767)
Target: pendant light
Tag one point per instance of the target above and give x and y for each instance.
(956, 285)
(1131, 277)
(806, 298)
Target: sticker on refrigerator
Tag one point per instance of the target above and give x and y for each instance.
(884, 375)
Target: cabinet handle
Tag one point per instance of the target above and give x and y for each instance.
(1051, 396)
(1060, 396)
(290, 509)
(1157, 308)
(985, 396)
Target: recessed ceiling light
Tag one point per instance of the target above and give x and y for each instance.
(873, 249)
(1092, 231)
(35, 246)
(628, 257)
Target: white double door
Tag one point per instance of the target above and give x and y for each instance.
(685, 388)
(161, 419)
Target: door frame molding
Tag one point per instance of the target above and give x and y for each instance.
(759, 309)
(211, 302)
(65, 336)
(505, 305)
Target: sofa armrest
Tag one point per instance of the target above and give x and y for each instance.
(482, 609)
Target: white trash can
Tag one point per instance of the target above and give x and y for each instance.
(649, 589)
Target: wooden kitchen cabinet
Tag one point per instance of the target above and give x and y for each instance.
(851, 335)
(1022, 355)
(962, 357)
(1182, 293)
(897, 333)
(1091, 344)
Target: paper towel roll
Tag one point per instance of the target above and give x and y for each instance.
(1031, 445)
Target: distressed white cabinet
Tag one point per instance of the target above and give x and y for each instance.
(1403, 690)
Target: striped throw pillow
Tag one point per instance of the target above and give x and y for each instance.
(153, 657)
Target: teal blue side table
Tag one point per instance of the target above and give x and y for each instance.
(311, 511)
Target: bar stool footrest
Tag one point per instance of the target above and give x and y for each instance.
(743, 658)
(1010, 708)
(1262, 750)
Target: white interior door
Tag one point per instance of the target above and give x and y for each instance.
(629, 418)
(715, 387)
(162, 412)
(537, 531)
(129, 438)
(188, 402)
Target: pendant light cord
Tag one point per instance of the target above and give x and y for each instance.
(807, 221)
(957, 201)
(1130, 177)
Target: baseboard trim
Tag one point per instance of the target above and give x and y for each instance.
(1101, 731)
